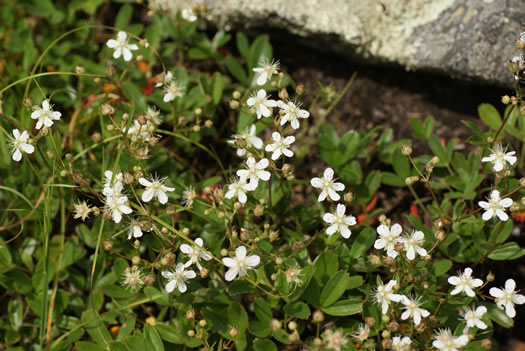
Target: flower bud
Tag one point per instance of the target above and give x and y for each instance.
(275, 324)
(135, 260)
(389, 261)
(204, 272)
(349, 196)
(386, 343)
(234, 332)
(190, 314)
(375, 260)
(236, 95)
(80, 69)
(300, 89)
(149, 280)
(292, 325)
(108, 245)
(435, 160)
(385, 318)
(208, 123)
(283, 94)
(411, 180)
(318, 316)
(393, 326)
(490, 277)
(110, 71)
(203, 323)
(234, 104)
(28, 102)
(513, 66)
(224, 252)
(505, 99)
(370, 321)
(318, 342)
(141, 119)
(96, 137)
(406, 150)
(440, 235)
(191, 333)
(182, 120)
(258, 210)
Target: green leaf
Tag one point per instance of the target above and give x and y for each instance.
(497, 315)
(218, 84)
(437, 148)
(297, 309)
(236, 70)
(363, 242)
(490, 116)
(169, 333)
(88, 346)
(153, 340)
(242, 44)
(118, 346)
(441, 267)
(400, 164)
(347, 147)
(237, 317)
(124, 16)
(264, 345)
(95, 328)
(15, 312)
(507, 251)
(334, 289)
(344, 308)
(262, 310)
(354, 282)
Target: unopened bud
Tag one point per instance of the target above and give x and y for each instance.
(80, 69)
(292, 325)
(108, 245)
(435, 160)
(110, 71)
(234, 104)
(283, 94)
(386, 343)
(505, 99)
(142, 120)
(234, 332)
(196, 128)
(224, 252)
(370, 321)
(149, 280)
(63, 173)
(318, 316)
(411, 180)
(490, 277)
(191, 333)
(208, 123)
(513, 66)
(275, 324)
(389, 261)
(198, 111)
(203, 323)
(300, 89)
(349, 196)
(236, 95)
(28, 102)
(135, 260)
(406, 150)
(258, 210)
(190, 314)
(375, 260)
(393, 326)
(182, 120)
(204, 272)
(440, 235)
(186, 231)
(96, 137)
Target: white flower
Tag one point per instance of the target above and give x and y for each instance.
(173, 90)
(328, 186)
(189, 15)
(118, 206)
(152, 114)
(121, 46)
(339, 222)
(188, 196)
(163, 78)
(254, 171)
(178, 278)
(473, 318)
(45, 115)
(413, 310)
(134, 229)
(384, 295)
(388, 238)
(238, 188)
(195, 252)
(464, 282)
(414, 243)
(142, 132)
(445, 341)
(249, 139)
(261, 103)
(495, 207)
(266, 70)
(240, 264)
(82, 210)
(113, 187)
(291, 113)
(334, 340)
(506, 298)
(155, 188)
(499, 158)
(19, 144)
(119, 178)
(401, 344)
(133, 278)
(362, 333)
(280, 146)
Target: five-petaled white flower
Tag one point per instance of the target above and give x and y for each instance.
(20, 143)
(473, 318)
(112, 187)
(195, 252)
(239, 188)
(401, 344)
(118, 206)
(45, 115)
(266, 70)
(384, 295)
(254, 171)
(178, 278)
(155, 188)
(414, 243)
(121, 46)
(261, 103)
(327, 185)
(339, 222)
(280, 146)
(388, 238)
(172, 90)
(506, 298)
(465, 282)
(499, 157)
(495, 207)
(247, 139)
(412, 309)
(240, 264)
(445, 341)
(292, 112)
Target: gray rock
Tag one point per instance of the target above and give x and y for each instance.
(469, 39)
